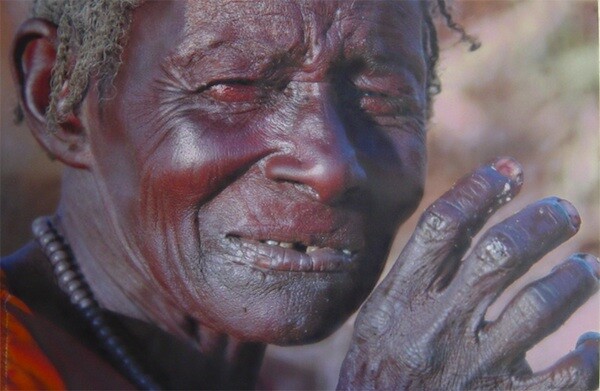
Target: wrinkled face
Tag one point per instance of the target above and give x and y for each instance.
(261, 154)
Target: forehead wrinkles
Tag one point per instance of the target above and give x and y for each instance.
(388, 30)
(214, 27)
(247, 35)
(318, 19)
(389, 14)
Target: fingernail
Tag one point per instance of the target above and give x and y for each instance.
(589, 336)
(510, 168)
(592, 262)
(571, 212)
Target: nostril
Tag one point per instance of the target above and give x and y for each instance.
(327, 174)
(283, 168)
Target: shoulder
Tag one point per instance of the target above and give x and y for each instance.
(45, 343)
(22, 268)
(25, 365)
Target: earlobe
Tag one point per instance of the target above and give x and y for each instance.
(34, 55)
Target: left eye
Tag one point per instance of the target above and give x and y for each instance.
(234, 92)
(382, 104)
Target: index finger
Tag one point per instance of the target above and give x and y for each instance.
(445, 230)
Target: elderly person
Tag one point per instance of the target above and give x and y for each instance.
(235, 172)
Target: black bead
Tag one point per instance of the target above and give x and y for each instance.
(66, 277)
(58, 256)
(85, 303)
(46, 238)
(61, 267)
(39, 226)
(78, 295)
(53, 247)
(74, 285)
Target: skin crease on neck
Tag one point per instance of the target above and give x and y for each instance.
(251, 165)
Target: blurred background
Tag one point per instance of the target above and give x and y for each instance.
(530, 91)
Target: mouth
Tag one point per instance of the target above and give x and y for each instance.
(274, 255)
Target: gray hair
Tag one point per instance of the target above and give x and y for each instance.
(90, 35)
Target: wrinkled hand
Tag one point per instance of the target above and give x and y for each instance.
(424, 327)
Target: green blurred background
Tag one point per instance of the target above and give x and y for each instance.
(530, 91)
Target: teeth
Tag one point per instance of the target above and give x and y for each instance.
(310, 249)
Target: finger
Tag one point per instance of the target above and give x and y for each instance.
(542, 306)
(445, 230)
(508, 249)
(578, 370)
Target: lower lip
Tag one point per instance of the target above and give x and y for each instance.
(276, 258)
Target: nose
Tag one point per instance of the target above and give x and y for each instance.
(320, 155)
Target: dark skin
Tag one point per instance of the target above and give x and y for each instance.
(243, 184)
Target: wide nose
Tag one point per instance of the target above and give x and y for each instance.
(319, 152)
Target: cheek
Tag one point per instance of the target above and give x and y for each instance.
(190, 166)
(399, 180)
(184, 172)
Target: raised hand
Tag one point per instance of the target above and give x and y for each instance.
(424, 327)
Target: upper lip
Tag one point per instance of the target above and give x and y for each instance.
(285, 218)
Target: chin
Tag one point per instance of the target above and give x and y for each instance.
(279, 307)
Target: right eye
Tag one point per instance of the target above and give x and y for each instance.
(234, 91)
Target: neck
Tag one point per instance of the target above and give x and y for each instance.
(219, 361)
(168, 342)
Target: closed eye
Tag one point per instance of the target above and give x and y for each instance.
(377, 103)
(233, 91)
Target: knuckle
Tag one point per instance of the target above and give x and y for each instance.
(574, 279)
(539, 298)
(420, 358)
(442, 221)
(539, 309)
(496, 251)
(476, 188)
(571, 377)
(486, 187)
(583, 369)
(377, 321)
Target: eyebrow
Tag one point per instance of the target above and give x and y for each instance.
(414, 62)
(239, 62)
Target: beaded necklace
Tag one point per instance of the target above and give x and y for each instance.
(73, 283)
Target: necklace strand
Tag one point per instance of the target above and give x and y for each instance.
(73, 283)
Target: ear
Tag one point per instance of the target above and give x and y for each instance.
(34, 54)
